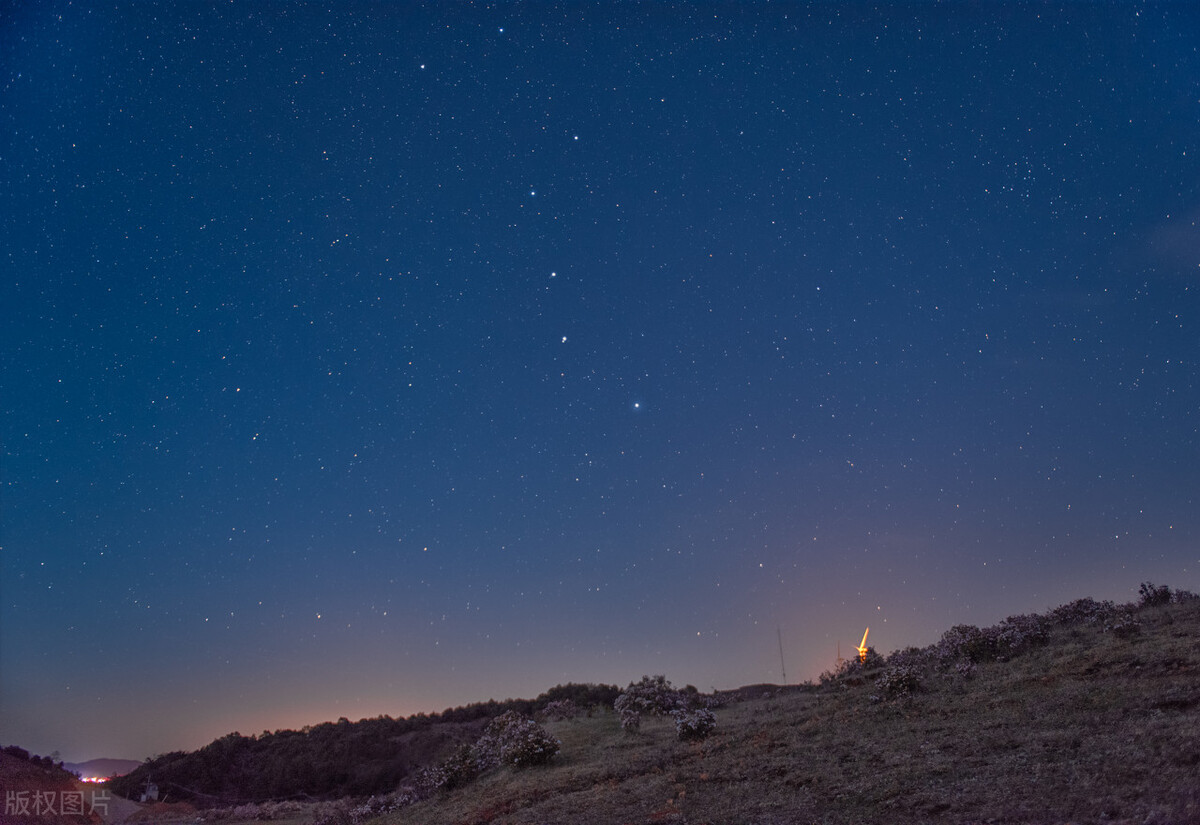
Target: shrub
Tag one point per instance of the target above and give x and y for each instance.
(914, 657)
(377, 806)
(653, 695)
(1010, 638)
(631, 720)
(871, 661)
(1083, 611)
(560, 709)
(518, 741)
(898, 682)
(430, 780)
(851, 671)
(332, 813)
(341, 812)
(463, 766)
(694, 724)
(1124, 626)
(966, 641)
(1152, 595)
(261, 812)
(1016, 634)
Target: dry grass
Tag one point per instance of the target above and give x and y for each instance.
(1090, 728)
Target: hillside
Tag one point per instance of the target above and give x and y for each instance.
(1093, 716)
(330, 760)
(35, 789)
(1088, 713)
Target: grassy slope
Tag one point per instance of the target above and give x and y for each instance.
(1089, 728)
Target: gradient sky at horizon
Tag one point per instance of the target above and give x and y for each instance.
(369, 358)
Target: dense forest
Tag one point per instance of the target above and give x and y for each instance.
(334, 759)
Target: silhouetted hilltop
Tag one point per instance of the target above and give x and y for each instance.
(333, 759)
(1086, 713)
(1089, 712)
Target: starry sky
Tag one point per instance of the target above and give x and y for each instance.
(377, 358)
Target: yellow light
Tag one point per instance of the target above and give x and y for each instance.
(862, 646)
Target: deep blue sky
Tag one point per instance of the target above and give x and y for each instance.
(379, 358)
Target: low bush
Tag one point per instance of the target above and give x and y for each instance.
(897, 682)
(693, 724)
(1124, 626)
(560, 709)
(1011, 637)
(517, 741)
(1083, 611)
(964, 669)
(377, 806)
(915, 657)
(1152, 595)
(653, 695)
(1016, 634)
(853, 667)
(462, 768)
(965, 641)
(631, 720)
(333, 813)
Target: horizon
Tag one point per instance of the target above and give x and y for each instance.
(256, 732)
(369, 359)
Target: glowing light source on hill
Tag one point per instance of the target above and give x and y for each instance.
(862, 646)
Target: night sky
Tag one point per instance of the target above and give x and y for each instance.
(368, 359)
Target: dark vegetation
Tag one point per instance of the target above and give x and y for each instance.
(34, 787)
(51, 765)
(334, 759)
(1086, 713)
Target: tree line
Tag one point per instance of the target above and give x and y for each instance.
(334, 759)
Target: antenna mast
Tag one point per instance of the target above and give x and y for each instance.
(783, 669)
